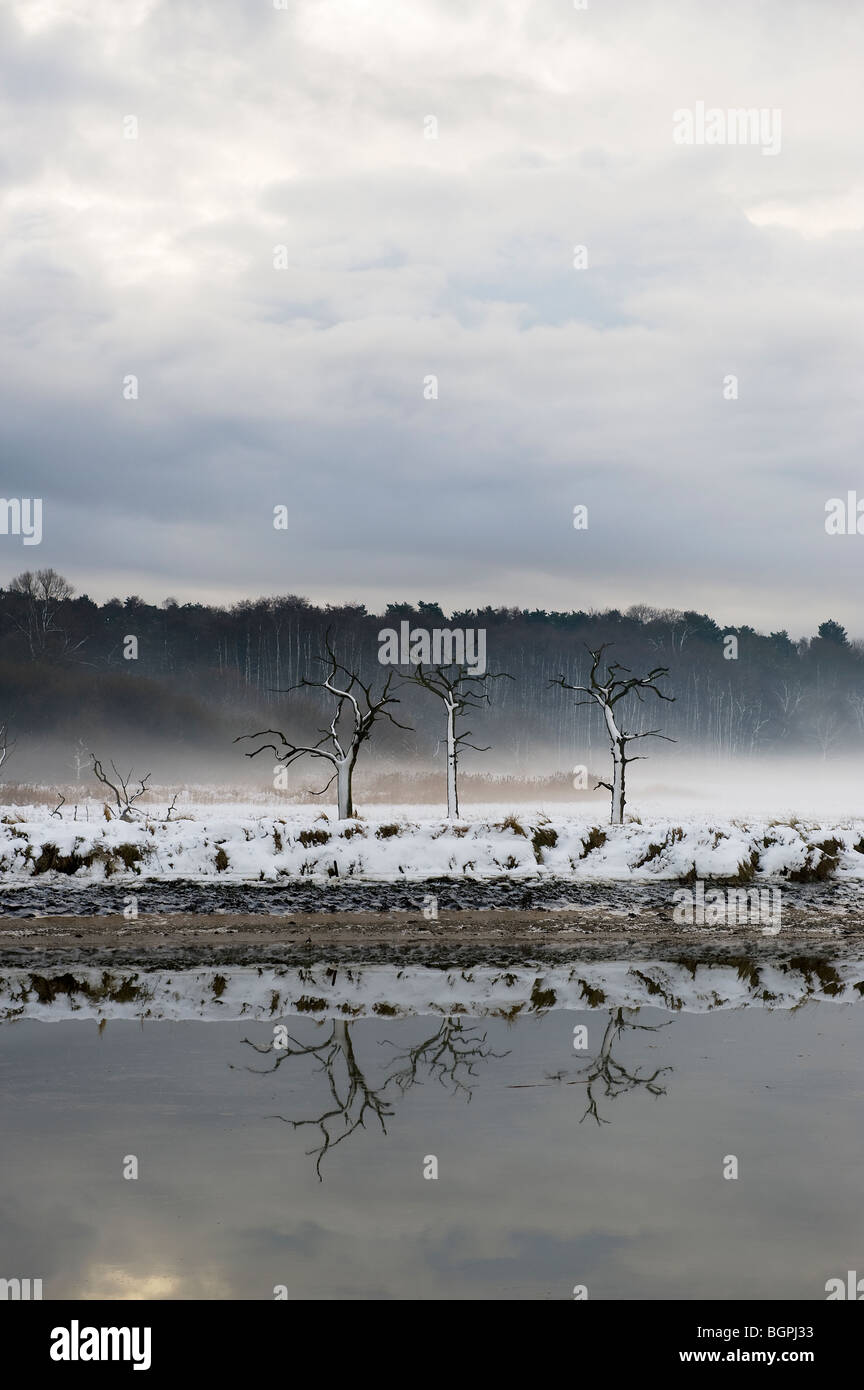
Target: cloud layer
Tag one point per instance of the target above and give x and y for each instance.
(405, 257)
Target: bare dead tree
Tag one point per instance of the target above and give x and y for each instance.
(855, 701)
(356, 711)
(126, 809)
(606, 693)
(789, 696)
(171, 807)
(61, 802)
(42, 593)
(459, 691)
(825, 731)
(80, 758)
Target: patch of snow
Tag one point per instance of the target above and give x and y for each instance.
(300, 844)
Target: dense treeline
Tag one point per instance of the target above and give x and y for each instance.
(202, 673)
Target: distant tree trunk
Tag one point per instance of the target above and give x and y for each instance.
(452, 789)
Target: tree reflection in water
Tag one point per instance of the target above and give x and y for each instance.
(450, 1055)
(614, 1078)
(606, 1075)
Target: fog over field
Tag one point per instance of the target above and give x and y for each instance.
(732, 720)
(783, 785)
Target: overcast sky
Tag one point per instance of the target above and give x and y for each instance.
(405, 257)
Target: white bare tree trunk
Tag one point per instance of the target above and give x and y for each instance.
(343, 789)
(618, 764)
(452, 791)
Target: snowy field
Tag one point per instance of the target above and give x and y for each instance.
(240, 843)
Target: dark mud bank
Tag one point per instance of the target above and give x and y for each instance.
(62, 898)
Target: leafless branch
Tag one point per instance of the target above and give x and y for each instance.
(125, 799)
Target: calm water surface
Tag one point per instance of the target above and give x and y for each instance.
(304, 1166)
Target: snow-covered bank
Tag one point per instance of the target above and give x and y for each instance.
(267, 994)
(303, 845)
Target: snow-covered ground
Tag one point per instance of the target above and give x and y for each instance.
(239, 844)
(270, 993)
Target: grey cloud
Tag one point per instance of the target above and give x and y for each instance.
(453, 257)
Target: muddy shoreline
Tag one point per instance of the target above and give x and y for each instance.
(585, 933)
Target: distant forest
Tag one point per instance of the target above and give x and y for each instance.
(206, 674)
